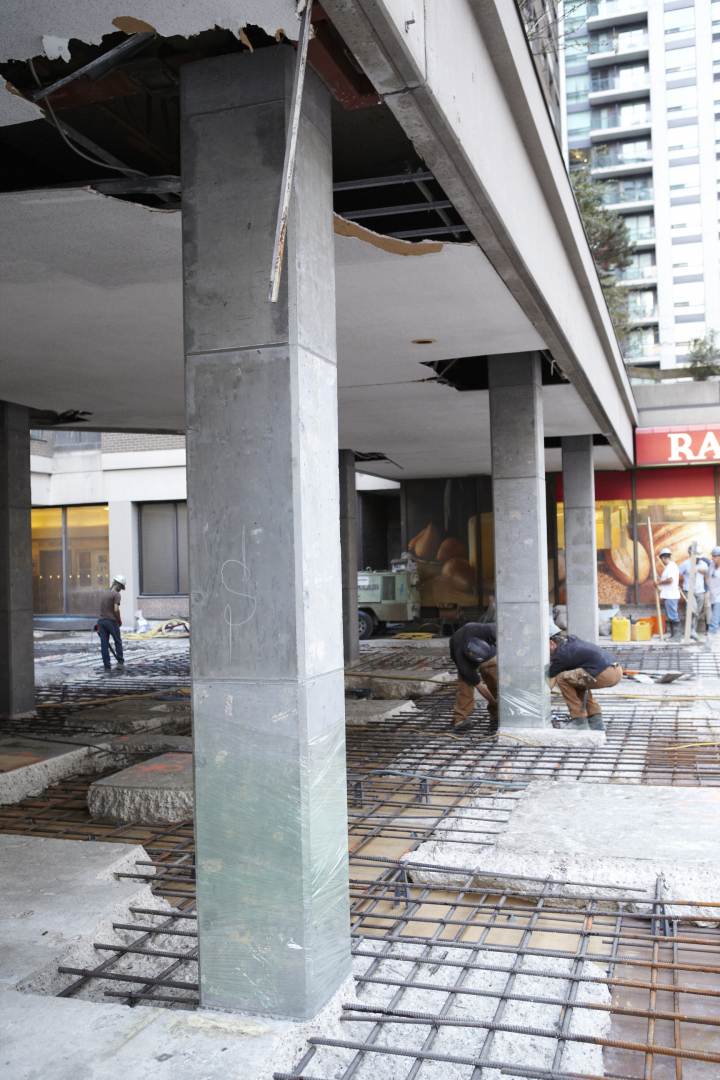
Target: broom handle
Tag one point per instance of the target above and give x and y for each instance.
(655, 581)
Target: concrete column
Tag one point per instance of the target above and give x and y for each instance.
(17, 671)
(349, 554)
(124, 553)
(580, 550)
(263, 499)
(521, 578)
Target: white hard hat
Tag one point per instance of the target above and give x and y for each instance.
(554, 630)
(120, 579)
(666, 551)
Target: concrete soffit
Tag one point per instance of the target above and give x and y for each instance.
(387, 59)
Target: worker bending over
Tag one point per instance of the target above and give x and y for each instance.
(109, 623)
(473, 649)
(578, 667)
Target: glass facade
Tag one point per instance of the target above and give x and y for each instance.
(69, 559)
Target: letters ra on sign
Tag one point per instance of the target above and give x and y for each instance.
(694, 445)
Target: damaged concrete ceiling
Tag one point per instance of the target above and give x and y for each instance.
(83, 330)
(90, 22)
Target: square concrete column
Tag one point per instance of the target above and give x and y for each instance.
(17, 666)
(520, 529)
(580, 548)
(349, 555)
(264, 542)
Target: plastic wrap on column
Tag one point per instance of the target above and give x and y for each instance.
(525, 707)
(277, 919)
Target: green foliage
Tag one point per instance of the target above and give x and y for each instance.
(610, 244)
(607, 233)
(704, 356)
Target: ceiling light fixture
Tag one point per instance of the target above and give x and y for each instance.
(423, 341)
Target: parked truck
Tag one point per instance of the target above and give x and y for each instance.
(388, 596)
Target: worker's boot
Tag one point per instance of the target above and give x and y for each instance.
(578, 723)
(460, 726)
(596, 722)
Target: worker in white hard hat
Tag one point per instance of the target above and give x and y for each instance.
(109, 623)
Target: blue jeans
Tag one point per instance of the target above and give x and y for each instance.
(108, 628)
(671, 610)
(715, 619)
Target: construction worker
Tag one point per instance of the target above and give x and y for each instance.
(473, 649)
(578, 667)
(109, 623)
(668, 588)
(696, 600)
(713, 584)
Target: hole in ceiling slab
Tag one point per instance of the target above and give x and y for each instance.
(120, 106)
(466, 373)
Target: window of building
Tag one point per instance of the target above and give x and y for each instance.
(640, 226)
(642, 265)
(577, 87)
(163, 549)
(642, 342)
(578, 124)
(69, 559)
(642, 304)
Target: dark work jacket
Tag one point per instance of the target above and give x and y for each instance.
(576, 653)
(467, 669)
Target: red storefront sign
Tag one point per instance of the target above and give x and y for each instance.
(696, 444)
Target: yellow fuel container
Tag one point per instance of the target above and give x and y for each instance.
(642, 630)
(621, 628)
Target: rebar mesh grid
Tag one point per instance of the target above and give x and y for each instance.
(664, 741)
(455, 982)
(451, 980)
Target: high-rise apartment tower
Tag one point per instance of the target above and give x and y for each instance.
(642, 89)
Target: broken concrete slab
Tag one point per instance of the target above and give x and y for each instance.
(139, 714)
(29, 766)
(359, 713)
(150, 743)
(55, 894)
(179, 1044)
(591, 838)
(154, 792)
(391, 683)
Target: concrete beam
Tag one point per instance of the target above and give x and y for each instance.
(267, 664)
(520, 530)
(17, 670)
(580, 544)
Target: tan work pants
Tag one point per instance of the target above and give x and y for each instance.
(465, 694)
(574, 685)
